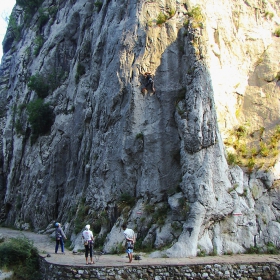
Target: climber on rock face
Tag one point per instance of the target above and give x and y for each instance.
(149, 81)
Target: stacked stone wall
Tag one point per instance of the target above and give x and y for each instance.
(248, 271)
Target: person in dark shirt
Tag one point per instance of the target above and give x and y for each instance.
(149, 81)
(59, 236)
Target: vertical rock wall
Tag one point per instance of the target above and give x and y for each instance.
(116, 154)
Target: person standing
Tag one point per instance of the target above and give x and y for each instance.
(88, 238)
(130, 240)
(59, 236)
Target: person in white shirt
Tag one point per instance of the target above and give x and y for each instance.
(130, 240)
(88, 238)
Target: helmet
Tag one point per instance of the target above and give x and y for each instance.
(56, 224)
(87, 227)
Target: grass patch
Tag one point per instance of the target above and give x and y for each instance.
(171, 12)
(241, 131)
(119, 249)
(98, 5)
(277, 32)
(277, 77)
(99, 242)
(253, 250)
(147, 247)
(81, 70)
(29, 7)
(126, 199)
(181, 95)
(149, 208)
(160, 215)
(81, 216)
(272, 249)
(251, 164)
(19, 127)
(197, 17)
(140, 136)
(39, 42)
(232, 159)
(43, 18)
(264, 150)
(15, 28)
(253, 149)
(161, 18)
(269, 15)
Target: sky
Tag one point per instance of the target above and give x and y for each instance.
(6, 7)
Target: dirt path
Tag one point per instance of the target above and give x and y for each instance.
(46, 246)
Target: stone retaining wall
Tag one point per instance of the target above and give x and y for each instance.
(258, 271)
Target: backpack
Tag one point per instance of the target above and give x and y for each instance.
(57, 234)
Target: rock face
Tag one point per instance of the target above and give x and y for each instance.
(106, 152)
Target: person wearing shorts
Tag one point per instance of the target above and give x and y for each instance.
(130, 240)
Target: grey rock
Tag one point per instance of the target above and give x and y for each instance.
(115, 153)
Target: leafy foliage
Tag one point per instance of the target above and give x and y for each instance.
(43, 18)
(272, 249)
(19, 255)
(14, 28)
(29, 6)
(181, 95)
(253, 250)
(81, 217)
(160, 215)
(140, 135)
(99, 242)
(39, 42)
(98, 5)
(81, 70)
(40, 117)
(196, 14)
(126, 200)
(197, 17)
(37, 83)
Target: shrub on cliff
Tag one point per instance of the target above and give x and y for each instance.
(277, 32)
(161, 18)
(29, 6)
(20, 256)
(37, 83)
(14, 28)
(40, 117)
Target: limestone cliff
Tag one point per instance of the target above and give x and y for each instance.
(192, 167)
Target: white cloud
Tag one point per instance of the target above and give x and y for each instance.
(6, 7)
